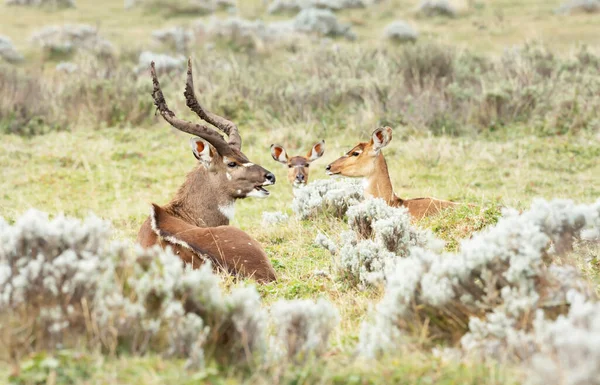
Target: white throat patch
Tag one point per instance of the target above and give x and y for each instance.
(365, 183)
(228, 211)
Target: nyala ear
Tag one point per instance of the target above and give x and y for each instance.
(202, 150)
(316, 151)
(279, 154)
(381, 138)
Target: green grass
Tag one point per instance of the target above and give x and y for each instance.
(116, 173)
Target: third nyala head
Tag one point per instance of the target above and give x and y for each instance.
(298, 166)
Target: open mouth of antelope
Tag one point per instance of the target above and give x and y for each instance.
(330, 173)
(261, 190)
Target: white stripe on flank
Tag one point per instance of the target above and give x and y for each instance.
(169, 238)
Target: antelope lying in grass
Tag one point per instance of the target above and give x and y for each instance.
(366, 160)
(298, 165)
(195, 222)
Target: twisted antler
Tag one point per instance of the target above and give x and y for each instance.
(227, 126)
(200, 130)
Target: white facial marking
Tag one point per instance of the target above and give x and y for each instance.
(228, 211)
(228, 176)
(247, 164)
(239, 191)
(227, 160)
(298, 184)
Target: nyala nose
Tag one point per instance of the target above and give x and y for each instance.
(328, 168)
(300, 177)
(270, 177)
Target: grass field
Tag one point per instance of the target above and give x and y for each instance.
(116, 172)
(127, 169)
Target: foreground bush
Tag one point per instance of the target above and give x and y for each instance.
(568, 348)
(304, 327)
(50, 272)
(487, 294)
(380, 235)
(64, 284)
(327, 195)
(509, 293)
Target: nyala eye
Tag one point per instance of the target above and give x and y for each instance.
(306, 165)
(232, 164)
(355, 153)
(290, 166)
